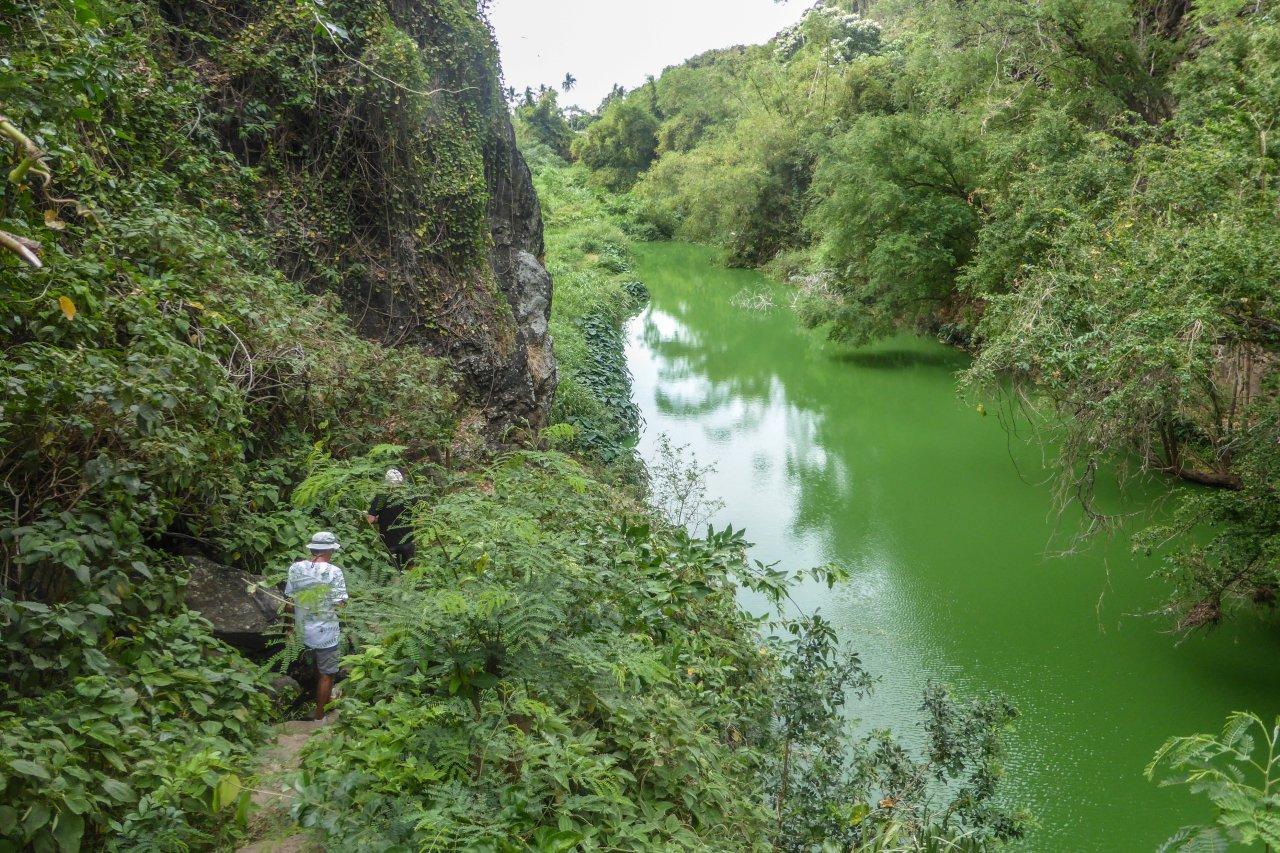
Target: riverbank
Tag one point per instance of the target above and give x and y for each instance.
(589, 253)
(1105, 248)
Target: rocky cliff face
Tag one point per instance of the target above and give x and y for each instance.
(394, 180)
(490, 319)
(526, 384)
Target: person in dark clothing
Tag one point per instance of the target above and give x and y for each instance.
(389, 514)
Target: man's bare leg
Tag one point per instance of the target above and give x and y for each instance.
(324, 686)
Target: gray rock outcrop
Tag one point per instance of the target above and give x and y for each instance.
(221, 594)
(490, 322)
(515, 220)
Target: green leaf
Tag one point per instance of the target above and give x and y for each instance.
(96, 660)
(68, 831)
(37, 816)
(87, 12)
(30, 768)
(226, 791)
(243, 803)
(76, 803)
(548, 840)
(117, 790)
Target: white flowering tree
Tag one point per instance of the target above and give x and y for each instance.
(840, 36)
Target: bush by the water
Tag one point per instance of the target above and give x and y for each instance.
(589, 238)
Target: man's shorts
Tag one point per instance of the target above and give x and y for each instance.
(326, 660)
(402, 554)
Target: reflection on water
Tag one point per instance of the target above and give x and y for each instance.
(871, 459)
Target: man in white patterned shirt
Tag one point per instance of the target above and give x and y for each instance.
(316, 589)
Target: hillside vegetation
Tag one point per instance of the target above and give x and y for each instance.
(589, 236)
(177, 356)
(1083, 192)
(253, 253)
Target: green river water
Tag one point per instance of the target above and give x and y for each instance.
(871, 458)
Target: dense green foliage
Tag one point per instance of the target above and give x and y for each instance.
(622, 144)
(542, 668)
(1238, 771)
(341, 101)
(207, 185)
(166, 372)
(541, 122)
(1084, 192)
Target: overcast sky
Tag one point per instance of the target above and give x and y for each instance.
(602, 42)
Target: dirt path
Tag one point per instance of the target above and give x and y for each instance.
(271, 829)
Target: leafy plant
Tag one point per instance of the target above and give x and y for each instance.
(589, 254)
(172, 359)
(1238, 771)
(678, 486)
(110, 754)
(537, 665)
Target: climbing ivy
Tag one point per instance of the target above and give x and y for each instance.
(589, 255)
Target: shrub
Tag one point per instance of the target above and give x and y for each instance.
(560, 670)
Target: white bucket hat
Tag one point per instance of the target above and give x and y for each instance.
(394, 477)
(323, 541)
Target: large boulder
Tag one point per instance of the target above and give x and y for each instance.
(240, 618)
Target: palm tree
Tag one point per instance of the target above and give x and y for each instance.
(569, 82)
(651, 83)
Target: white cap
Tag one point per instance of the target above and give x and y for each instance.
(323, 541)
(394, 477)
